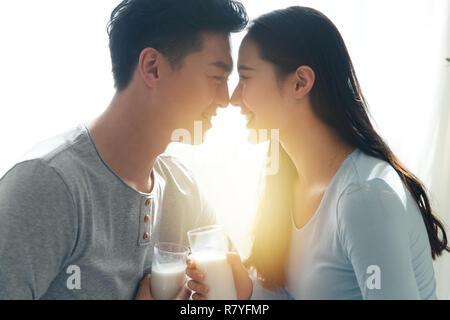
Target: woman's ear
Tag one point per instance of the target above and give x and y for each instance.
(149, 65)
(304, 81)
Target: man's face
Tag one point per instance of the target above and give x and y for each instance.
(194, 92)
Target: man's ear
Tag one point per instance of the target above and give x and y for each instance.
(149, 65)
(304, 81)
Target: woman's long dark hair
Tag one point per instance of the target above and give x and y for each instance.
(298, 36)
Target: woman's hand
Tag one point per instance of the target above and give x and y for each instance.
(196, 284)
(144, 292)
(242, 281)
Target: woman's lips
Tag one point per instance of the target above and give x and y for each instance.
(249, 116)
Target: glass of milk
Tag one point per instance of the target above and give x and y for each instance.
(209, 246)
(168, 270)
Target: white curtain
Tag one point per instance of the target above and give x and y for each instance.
(437, 174)
(55, 73)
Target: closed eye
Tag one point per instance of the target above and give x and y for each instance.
(220, 78)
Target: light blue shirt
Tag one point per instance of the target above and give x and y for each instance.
(367, 239)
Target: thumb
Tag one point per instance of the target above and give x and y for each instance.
(144, 289)
(242, 281)
(234, 259)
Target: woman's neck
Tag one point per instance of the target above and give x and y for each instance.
(317, 152)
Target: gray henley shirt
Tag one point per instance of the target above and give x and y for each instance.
(64, 211)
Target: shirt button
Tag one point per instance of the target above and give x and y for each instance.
(146, 218)
(147, 202)
(146, 236)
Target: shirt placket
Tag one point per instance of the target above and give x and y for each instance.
(146, 221)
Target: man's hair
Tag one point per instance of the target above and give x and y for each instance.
(172, 27)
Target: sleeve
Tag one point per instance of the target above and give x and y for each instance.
(183, 175)
(208, 215)
(261, 293)
(37, 229)
(373, 231)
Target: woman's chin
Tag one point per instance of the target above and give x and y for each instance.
(250, 124)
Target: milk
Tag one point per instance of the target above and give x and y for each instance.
(167, 280)
(218, 274)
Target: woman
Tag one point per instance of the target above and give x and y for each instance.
(342, 218)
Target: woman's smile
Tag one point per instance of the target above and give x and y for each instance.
(249, 116)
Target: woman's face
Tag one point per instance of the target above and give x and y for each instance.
(260, 96)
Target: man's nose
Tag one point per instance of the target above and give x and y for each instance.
(223, 97)
(236, 97)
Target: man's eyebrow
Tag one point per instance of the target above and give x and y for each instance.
(243, 67)
(222, 65)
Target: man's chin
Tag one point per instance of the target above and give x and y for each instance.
(207, 126)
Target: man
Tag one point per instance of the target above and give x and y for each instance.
(80, 214)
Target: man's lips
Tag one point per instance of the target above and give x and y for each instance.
(208, 116)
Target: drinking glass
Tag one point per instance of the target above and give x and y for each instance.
(168, 270)
(209, 246)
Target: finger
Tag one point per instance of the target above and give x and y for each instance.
(198, 296)
(242, 281)
(195, 274)
(234, 259)
(143, 292)
(191, 263)
(198, 287)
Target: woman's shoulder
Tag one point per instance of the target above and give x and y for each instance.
(372, 177)
(372, 190)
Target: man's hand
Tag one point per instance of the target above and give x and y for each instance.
(242, 281)
(144, 291)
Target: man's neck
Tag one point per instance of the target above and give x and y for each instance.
(129, 138)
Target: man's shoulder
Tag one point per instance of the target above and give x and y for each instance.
(33, 182)
(54, 147)
(51, 159)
